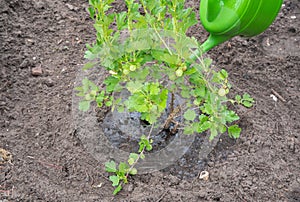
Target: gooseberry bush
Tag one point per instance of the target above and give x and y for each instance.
(145, 51)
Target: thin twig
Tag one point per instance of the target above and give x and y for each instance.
(162, 196)
(277, 95)
(170, 52)
(51, 165)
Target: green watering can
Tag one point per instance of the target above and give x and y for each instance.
(224, 19)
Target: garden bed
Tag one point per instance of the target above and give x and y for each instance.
(50, 163)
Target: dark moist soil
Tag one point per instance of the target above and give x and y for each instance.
(49, 162)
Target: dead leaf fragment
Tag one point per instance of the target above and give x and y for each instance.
(5, 156)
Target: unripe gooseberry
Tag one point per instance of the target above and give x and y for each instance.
(132, 67)
(125, 71)
(222, 92)
(184, 68)
(179, 72)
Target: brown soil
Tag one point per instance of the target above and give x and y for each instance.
(49, 162)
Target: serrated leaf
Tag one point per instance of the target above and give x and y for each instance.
(123, 167)
(203, 118)
(234, 131)
(111, 167)
(223, 74)
(89, 65)
(120, 20)
(238, 98)
(246, 96)
(81, 94)
(213, 133)
(131, 161)
(108, 103)
(185, 93)
(78, 88)
(148, 147)
(204, 126)
(166, 57)
(190, 115)
(200, 91)
(92, 12)
(247, 104)
(118, 189)
(85, 85)
(231, 116)
(84, 105)
(133, 171)
(134, 156)
(134, 86)
(140, 74)
(188, 130)
(207, 108)
(154, 88)
(115, 180)
(110, 83)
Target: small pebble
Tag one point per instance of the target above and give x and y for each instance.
(49, 82)
(71, 7)
(37, 71)
(130, 188)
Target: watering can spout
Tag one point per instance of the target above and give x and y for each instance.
(212, 41)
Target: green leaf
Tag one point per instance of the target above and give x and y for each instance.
(115, 180)
(111, 167)
(141, 74)
(207, 62)
(131, 161)
(85, 85)
(200, 91)
(118, 189)
(223, 74)
(154, 88)
(84, 105)
(207, 108)
(89, 65)
(149, 147)
(111, 82)
(204, 126)
(78, 88)
(133, 171)
(134, 86)
(134, 156)
(213, 133)
(203, 118)
(247, 104)
(120, 17)
(188, 130)
(165, 57)
(247, 100)
(238, 98)
(189, 115)
(185, 93)
(100, 97)
(92, 12)
(231, 116)
(234, 131)
(123, 167)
